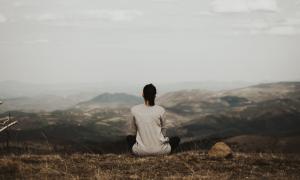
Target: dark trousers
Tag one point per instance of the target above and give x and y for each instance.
(174, 142)
(130, 141)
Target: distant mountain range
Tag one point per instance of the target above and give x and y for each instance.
(31, 97)
(111, 100)
(15, 89)
(42, 103)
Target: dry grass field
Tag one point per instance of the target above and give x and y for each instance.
(183, 165)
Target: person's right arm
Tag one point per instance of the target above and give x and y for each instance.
(131, 126)
(163, 122)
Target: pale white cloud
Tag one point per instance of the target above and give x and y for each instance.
(277, 24)
(3, 19)
(17, 4)
(164, 0)
(204, 13)
(268, 28)
(244, 6)
(37, 41)
(258, 24)
(283, 30)
(50, 17)
(87, 15)
(291, 21)
(112, 15)
(283, 26)
(29, 42)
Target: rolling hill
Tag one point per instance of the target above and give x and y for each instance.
(265, 110)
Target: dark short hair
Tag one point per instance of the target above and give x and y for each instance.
(149, 92)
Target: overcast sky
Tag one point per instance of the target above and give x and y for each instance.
(149, 40)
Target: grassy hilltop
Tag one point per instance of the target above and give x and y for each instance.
(183, 165)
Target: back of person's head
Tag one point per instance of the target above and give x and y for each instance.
(149, 93)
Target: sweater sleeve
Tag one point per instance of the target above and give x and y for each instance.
(163, 122)
(131, 126)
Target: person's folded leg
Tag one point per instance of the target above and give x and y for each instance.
(130, 141)
(174, 142)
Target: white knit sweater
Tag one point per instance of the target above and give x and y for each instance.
(149, 125)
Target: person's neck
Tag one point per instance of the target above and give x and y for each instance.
(147, 103)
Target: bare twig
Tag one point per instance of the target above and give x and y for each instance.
(7, 126)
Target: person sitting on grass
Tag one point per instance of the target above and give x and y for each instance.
(147, 128)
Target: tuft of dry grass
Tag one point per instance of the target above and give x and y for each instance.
(184, 165)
